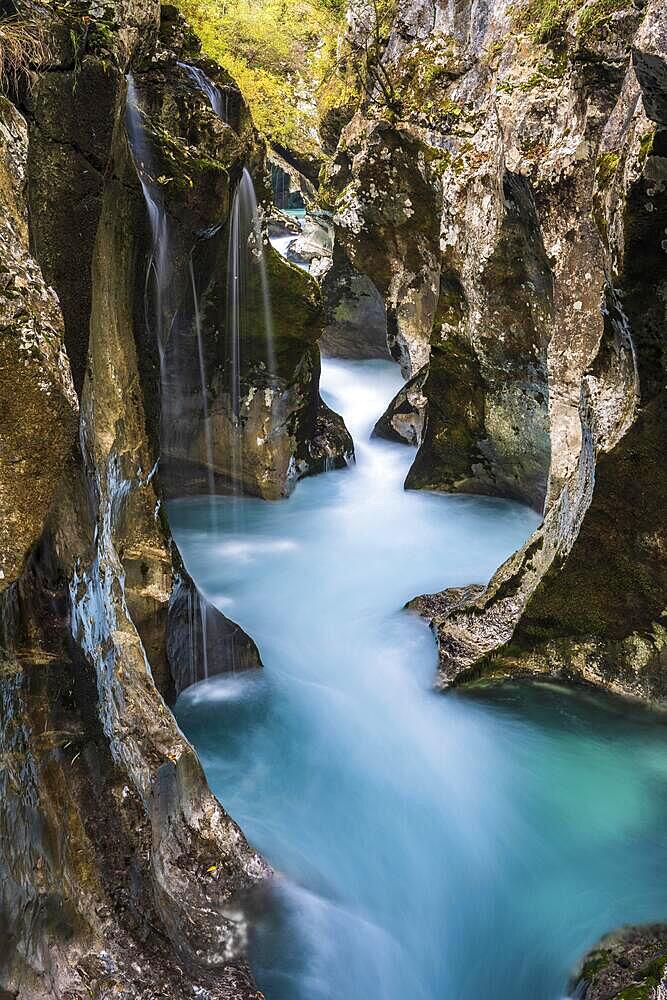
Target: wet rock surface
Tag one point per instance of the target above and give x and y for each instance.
(537, 305)
(120, 873)
(355, 318)
(403, 420)
(199, 637)
(627, 965)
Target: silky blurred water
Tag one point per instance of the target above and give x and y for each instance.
(431, 847)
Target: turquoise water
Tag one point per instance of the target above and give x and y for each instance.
(430, 847)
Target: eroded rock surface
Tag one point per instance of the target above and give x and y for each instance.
(120, 873)
(38, 407)
(512, 163)
(355, 323)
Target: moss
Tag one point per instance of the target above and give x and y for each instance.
(597, 14)
(180, 165)
(91, 36)
(438, 160)
(546, 21)
(422, 77)
(646, 144)
(648, 979)
(490, 55)
(596, 961)
(605, 168)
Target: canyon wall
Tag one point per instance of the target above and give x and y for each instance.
(119, 871)
(502, 182)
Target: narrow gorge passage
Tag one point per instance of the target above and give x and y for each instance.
(430, 847)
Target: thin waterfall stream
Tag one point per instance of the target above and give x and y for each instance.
(429, 847)
(213, 93)
(208, 434)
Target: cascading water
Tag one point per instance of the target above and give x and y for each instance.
(215, 99)
(245, 252)
(432, 847)
(160, 319)
(158, 264)
(208, 433)
(212, 93)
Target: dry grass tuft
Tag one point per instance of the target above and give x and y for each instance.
(23, 48)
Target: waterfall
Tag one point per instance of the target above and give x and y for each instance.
(158, 264)
(246, 250)
(246, 259)
(197, 609)
(212, 93)
(208, 436)
(165, 312)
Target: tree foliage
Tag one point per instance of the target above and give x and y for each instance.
(279, 51)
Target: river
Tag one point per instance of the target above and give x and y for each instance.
(430, 847)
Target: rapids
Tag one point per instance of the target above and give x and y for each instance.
(430, 847)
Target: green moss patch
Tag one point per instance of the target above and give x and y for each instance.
(546, 21)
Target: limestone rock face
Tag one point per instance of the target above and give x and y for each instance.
(355, 317)
(515, 170)
(38, 407)
(463, 188)
(585, 596)
(386, 215)
(254, 438)
(119, 870)
(72, 117)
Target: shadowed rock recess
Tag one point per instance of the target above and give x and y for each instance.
(503, 182)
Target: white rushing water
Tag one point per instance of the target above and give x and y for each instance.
(431, 847)
(213, 94)
(159, 262)
(246, 252)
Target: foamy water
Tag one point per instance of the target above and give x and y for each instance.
(431, 847)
